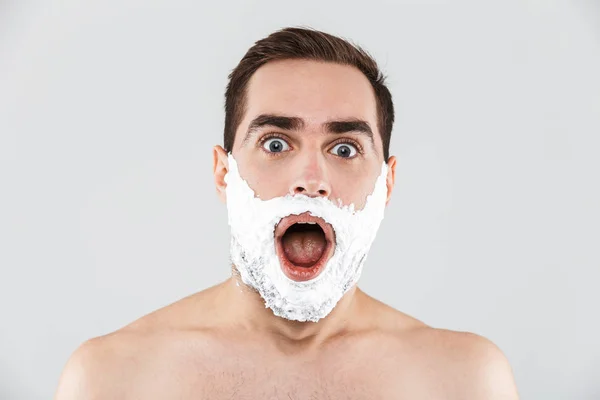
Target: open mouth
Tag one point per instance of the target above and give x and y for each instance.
(304, 244)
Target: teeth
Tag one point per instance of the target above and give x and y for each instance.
(308, 222)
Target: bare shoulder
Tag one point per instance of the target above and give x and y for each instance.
(464, 364)
(93, 365)
(461, 364)
(109, 366)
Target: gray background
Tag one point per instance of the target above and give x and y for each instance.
(109, 109)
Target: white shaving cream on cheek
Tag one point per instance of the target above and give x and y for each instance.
(253, 253)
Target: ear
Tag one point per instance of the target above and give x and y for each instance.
(220, 169)
(391, 178)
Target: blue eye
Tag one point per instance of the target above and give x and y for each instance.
(275, 145)
(344, 150)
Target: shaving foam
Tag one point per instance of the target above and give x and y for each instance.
(253, 253)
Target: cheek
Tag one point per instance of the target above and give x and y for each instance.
(267, 183)
(353, 189)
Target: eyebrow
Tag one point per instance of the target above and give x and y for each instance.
(296, 124)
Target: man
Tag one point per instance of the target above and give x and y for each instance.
(305, 173)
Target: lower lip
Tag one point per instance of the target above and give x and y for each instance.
(301, 274)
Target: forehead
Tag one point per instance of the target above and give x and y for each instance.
(312, 90)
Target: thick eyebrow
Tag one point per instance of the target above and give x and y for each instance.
(350, 125)
(296, 124)
(278, 121)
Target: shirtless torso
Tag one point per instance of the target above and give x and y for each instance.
(190, 350)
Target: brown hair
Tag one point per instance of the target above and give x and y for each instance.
(310, 44)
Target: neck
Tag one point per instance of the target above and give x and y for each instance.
(248, 309)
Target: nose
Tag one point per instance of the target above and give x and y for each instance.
(311, 181)
(311, 189)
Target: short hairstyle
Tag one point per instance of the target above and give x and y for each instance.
(308, 44)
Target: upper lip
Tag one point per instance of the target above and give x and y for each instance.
(290, 220)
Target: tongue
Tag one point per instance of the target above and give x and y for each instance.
(303, 248)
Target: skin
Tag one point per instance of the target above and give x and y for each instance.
(222, 343)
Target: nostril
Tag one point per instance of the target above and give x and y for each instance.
(302, 190)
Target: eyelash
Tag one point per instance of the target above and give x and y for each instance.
(268, 136)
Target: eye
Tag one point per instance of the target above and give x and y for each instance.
(344, 150)
(275, 145)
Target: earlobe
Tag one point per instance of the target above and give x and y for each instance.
(220, 169)
(391, 178)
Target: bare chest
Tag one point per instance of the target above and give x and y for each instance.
(299, 382)
(235, 375)
(272, 382)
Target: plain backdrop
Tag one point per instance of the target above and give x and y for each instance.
(109, 110)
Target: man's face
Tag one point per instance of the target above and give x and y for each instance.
(309, 130)
(309, 127)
